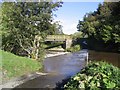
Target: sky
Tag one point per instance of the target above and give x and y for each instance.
(71, 12)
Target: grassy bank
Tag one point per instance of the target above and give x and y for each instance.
(15, 66)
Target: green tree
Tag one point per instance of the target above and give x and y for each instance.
(23, 22)
(103, 24)
(57, 28)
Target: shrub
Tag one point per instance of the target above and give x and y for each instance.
(74, 48)
(96, 76)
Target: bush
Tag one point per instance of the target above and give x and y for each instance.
(96, 76)
(74, 48)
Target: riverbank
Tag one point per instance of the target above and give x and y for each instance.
(58, 68)
(20, 80)
(13, 66)
(29, 76)
(96, 75)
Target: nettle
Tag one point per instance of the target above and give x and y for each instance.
(96, 76)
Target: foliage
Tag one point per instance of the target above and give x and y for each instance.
(77, 35)
(96, 76)
(103, 24)
(23, 22)
(74, 48)
(57, 29)
(14, 66)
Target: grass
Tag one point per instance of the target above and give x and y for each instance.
(15, 66)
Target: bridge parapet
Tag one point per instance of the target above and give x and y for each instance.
(65, 38)
(57, 38)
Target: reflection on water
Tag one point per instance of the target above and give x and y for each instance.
(113, 58)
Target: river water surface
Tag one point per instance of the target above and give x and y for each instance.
(58, 69)
(113, 58)
(65, 66)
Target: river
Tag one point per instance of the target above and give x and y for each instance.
(109, 57)
(58, 68)
(64, 66)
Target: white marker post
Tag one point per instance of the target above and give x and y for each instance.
(87, 58)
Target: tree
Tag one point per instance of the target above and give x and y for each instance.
(57, 28)
(23, 22)
(103, 24)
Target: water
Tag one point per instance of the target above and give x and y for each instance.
(58, 69)
(64, 66)
(109, 57)
(67, 64)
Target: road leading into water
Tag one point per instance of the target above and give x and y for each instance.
(58, 69)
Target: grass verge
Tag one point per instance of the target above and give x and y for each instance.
(14, 66)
